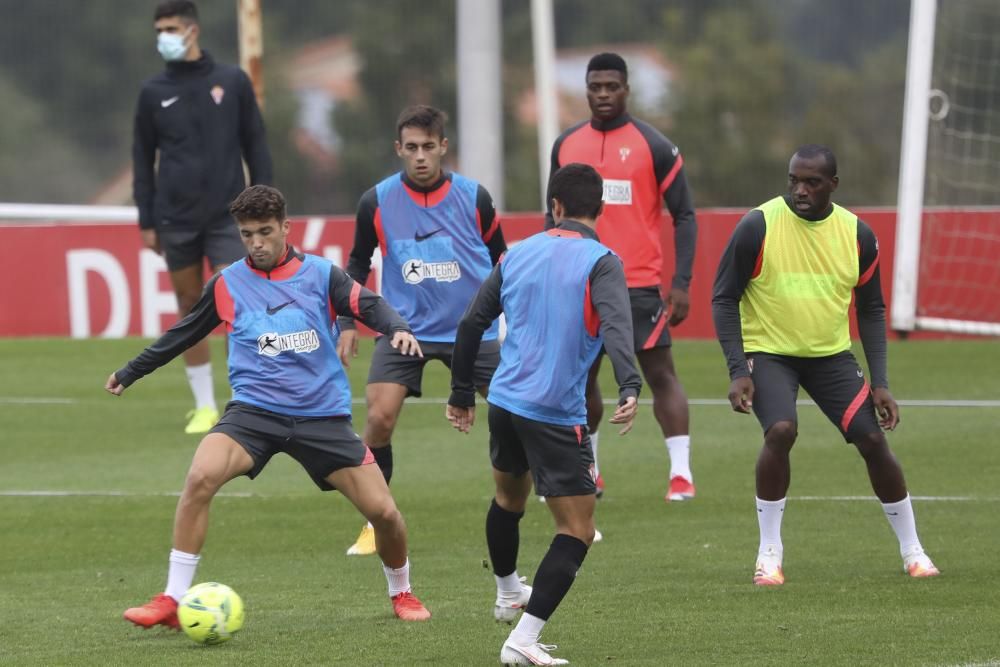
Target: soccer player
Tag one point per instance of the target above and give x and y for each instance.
(641, 168)
(290, 393)
(439, 236)
(564, 296)
(780, 305)
(200, 119)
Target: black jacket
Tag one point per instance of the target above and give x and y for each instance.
(203, 118)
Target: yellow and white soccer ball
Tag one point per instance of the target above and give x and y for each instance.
(210, 613)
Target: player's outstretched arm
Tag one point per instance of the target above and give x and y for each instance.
(113, 386)
(350, 298)
(485, 307)
(609, 296)
(200, 322)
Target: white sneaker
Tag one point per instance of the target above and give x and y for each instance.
(918, 564)
(536, 654)
(506, 609)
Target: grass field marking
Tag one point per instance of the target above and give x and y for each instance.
(431, 400)
(919, 403)
(944, 499)
(114, 494)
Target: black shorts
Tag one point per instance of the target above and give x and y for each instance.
(560, 458)
(649, 318)
(388, 365)
(187, 246)
(836, 383)
(321, 445)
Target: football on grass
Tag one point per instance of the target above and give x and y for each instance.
(210, 613)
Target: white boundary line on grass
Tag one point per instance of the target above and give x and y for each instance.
(241, 494)
(115, 494)
(948, 499)
(919, 403)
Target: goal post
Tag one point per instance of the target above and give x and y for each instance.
(946, 274)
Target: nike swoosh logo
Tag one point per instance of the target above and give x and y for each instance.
(272, 311)
(167, 103)
(893, 513)
(424, 237)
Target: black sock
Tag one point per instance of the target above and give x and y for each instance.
(503, 538)
(555, 575)
(383, 457)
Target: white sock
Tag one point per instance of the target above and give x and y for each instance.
(509, 586)
(399, 580)
(769, 515)
(593, 446)
(900, 516)
(527, 631)
(200, 379)
(679, 448)
(181, 573)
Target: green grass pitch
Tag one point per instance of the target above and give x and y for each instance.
(670, 584)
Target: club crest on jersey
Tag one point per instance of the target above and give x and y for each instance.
(273, 344)
(617, 192)
(217, 93)
(415, 271)
(623, 152)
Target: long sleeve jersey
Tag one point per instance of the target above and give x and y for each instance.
(741, 262)
(201, 120)
(603, 315)
(222, 302)
(641, 169)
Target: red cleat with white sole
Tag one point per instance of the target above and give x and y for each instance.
(680, 489)
(408, 608)
(161, 610)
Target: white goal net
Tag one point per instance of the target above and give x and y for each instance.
(953, 282)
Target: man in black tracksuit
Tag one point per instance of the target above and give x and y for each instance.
(200, 118)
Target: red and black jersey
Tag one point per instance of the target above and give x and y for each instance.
(640, 168)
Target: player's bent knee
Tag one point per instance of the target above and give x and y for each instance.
(383, 422)
(387, 516)
(782, 434)
(201, 484)
(872, 445)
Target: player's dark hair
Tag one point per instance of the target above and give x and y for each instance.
(810, 151)
(608, 61)
(258, 203)
(579, 188)
(184, 9)
(427, 118)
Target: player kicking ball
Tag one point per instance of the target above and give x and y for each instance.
(290, 393)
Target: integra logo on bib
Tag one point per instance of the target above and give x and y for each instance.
(415, 271)
(617, 192)
(272, 344)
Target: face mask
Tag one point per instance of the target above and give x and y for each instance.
(171, 46)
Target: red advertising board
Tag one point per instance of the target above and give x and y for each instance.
(93, 279)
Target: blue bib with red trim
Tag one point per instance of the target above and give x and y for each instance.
(548, 349)
(283, 346)
(435, 258)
